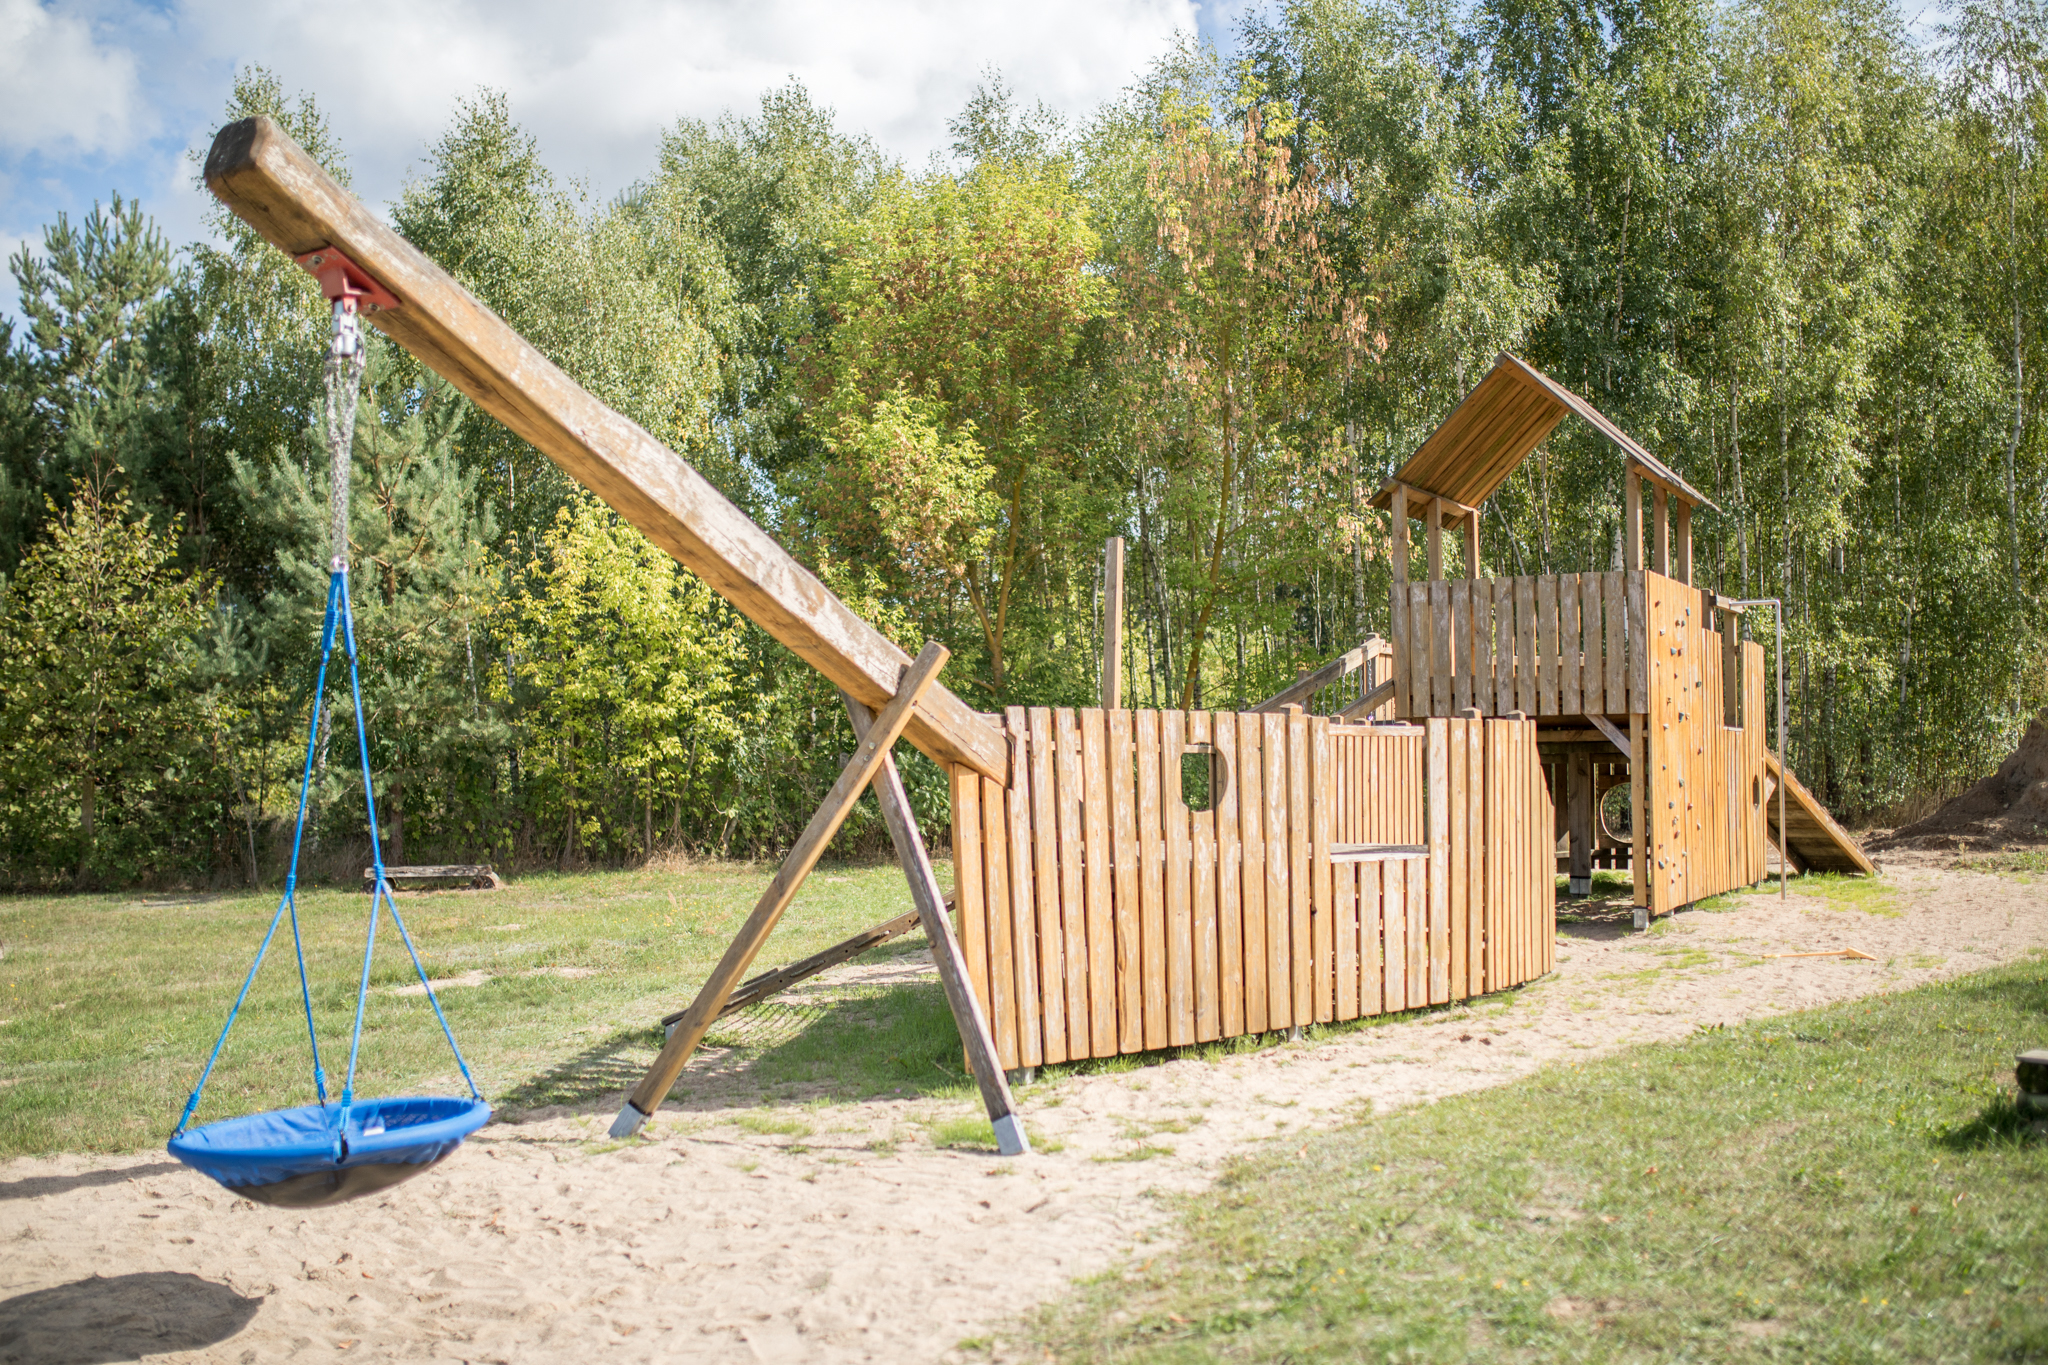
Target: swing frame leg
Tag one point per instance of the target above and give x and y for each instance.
(867, 760)
(952, 964)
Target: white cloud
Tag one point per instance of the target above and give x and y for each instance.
(61, 90)
(597, 82)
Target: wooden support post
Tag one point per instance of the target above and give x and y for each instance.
(1639, 804)
(1631, 521)
(1472, 545)
(810, 845)
(1113, 624)
(1433, 533)
(1578, 786)
(1682, 535)
(946, 954)
(1399, 531)
(1660, 556)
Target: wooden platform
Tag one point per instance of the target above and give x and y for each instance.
(1818, 844)
(482, 876)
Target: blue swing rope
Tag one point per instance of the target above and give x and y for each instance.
(345, 361)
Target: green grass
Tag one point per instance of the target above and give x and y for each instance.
(110, 1003)
(1850, 1184)
(1871, 895)
(2025, 864)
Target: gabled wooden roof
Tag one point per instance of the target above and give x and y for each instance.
(1511, 412)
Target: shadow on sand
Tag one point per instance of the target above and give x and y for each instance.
(120, 1317)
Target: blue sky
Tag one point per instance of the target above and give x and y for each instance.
(104, 95)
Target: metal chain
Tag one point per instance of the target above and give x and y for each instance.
(343, 374)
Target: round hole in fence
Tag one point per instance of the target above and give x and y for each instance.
(1617, 813)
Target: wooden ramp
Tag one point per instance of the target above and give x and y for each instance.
(1818, 844)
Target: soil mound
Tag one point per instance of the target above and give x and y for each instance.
(2010, 806)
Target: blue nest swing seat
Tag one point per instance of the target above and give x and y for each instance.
(332, 1151)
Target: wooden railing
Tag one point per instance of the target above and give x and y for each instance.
(1554, 645)
(1336, 871)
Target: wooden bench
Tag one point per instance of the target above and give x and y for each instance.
(482, 876)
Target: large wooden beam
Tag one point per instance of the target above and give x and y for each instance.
(867, 760)
(271, 184)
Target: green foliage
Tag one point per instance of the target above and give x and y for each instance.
(100, 730)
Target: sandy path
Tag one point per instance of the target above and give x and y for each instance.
(860, 1241)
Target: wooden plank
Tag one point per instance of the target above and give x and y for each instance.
(1180, 935)
(1503, 646)
(1639, 644)
(1279, 924)
(1344, 914)
(1422, 649)
(1614, 618)
(970, 905)
(1002, 965)
(1315, 680)
(1151, 881)
(1439, 648)
(1120, 771)
(1660, 533)
(1526, 683)
(1045, 864)
(1571, 657)
(1024, 945)
(1322, 905)
(1546, 646)
(1229, 876)
(1593, 691)
(1639, 817)
(1394, 935)
(1437, 928)
(1097, 876)
(1300, 893)
(1072, 863)
(1202, 863)
(853, 779)
(1251, 823)
(1397, 557)
(1111, 693)
(1457, 854)
(1371, 964)
(968, 1017)
(1461, 644)
(1479, 858)
(1631, 522)
(268, 181)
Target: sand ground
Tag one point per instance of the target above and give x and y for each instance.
(854, 1237)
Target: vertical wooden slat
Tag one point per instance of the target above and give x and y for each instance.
(1436, 959)
(1571, 658)
(1151, 880)
(1045, 859)
(1229, 876)
(1397, 623)
(1458, 827)
(1394, 934)
(1478, 857)
(1202, 907)
(1372, 990)
(1300, 895)
(1322, 793)
(1073, 863)
(1614, 617)
(1002, 903)
(1420, 646)
(970, 904)
(1023, 897)
(1098, 875)
(1440, 686)
(1499, 820)
(1525, 646)
(1546, 645)
(1639, 645)
(1120, 770)
(1504, 637)
(1593, 697)
(1279, 927)
(1461, 644)
(1180, 929)
(1344, 915)
(1251, 824)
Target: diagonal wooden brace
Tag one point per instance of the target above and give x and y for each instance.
(952, 965)
(867, 760)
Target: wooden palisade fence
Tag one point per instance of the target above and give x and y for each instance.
(1336, 871)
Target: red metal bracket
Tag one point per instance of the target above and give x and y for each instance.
(342, 278)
